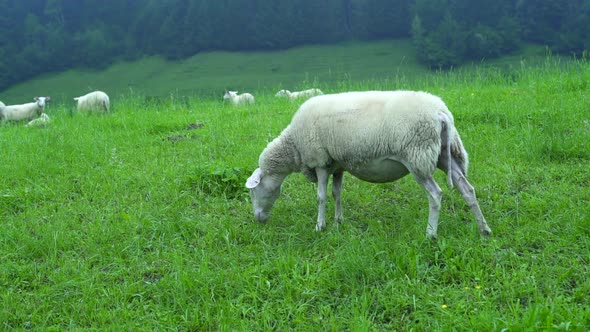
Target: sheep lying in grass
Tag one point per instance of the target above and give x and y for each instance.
(93, 101)
(24, 112)
(236, 99)
(376, 136)
(299, 94)
(40, 122)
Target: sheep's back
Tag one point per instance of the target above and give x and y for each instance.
(355, 127)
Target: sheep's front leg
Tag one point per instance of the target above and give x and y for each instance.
(336, 192)
(434, 198)
(323, 176)
(468, 194)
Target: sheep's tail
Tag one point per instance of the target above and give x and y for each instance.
(447, 137)
(454, 150)
(458, 152)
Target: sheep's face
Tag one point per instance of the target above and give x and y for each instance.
(230, 95)
(282, 93)
(41, 100)
(263, 192)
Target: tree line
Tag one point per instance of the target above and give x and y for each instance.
(38, 36)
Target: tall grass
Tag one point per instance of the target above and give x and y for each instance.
(138, 220)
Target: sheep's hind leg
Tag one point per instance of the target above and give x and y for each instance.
(336, 192)
(468, 194)
(323, 177)
(434, 199)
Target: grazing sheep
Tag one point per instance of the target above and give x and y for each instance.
(40, 122)
(24, 111)
(96, 100)
(243, 99)
(299, 94)
(377, 136)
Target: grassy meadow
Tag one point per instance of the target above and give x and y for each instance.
(208, 74)
(139, 219)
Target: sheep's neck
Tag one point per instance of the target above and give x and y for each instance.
(280, 157)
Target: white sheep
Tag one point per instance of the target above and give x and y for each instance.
(24, 111)
(96, 100)
(40, 122)
(377, 136)
(236, 99)
(299, 94)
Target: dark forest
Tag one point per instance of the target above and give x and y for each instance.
(38, 36)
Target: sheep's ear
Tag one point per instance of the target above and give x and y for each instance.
(48, 98)
(36, 98)
(254, 179)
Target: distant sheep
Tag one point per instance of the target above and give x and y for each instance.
(242, 99)
(299, 94)
(93, 101)
(40, 122)
(24, 112)
(377, 136)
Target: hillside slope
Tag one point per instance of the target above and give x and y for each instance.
(209, 74)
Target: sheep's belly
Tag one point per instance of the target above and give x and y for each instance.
(379, 170)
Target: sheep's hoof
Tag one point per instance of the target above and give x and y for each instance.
(319, 227)
(431, 235)
(486, 232)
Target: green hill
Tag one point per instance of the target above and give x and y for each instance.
(209, 74)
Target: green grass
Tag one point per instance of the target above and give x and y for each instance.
(209, 74)
(138, 220)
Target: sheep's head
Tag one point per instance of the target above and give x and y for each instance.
(283, 93)
(230, 94)
(264, 191)
(42, 100)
